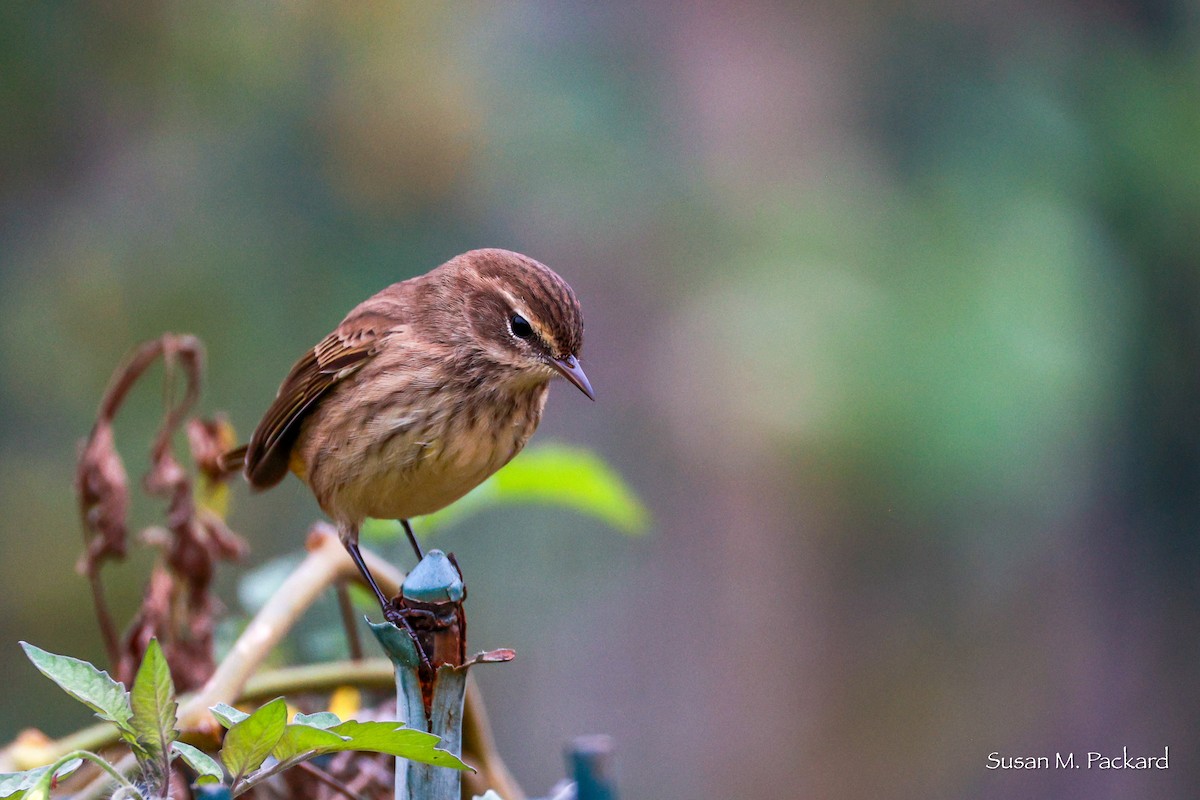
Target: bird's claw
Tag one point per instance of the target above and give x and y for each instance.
(398, 618)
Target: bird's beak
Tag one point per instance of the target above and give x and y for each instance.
(570, 369)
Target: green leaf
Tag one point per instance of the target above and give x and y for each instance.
(13, 782)
(153, 702)
(227, 715)
(321, 719)
(394, 739)
(250, 741)
(16, 784)
(39, 787)
(205, 766)
(90, 686)
(549, 475)
(298, 740)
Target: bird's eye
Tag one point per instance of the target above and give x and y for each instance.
(520, 327)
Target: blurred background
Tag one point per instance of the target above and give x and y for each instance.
(892, 311)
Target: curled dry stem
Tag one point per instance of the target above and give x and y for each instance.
(102, 488)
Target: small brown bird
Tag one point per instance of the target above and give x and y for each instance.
(421, 393)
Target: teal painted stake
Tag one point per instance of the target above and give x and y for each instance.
(432, 597)
(590, 759)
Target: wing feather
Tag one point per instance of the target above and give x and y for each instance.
(337, 356)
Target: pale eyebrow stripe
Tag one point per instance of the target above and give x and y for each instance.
(522, 309)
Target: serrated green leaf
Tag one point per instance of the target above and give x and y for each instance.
(394, 739)
(152, 699)
(321, 719)
(90, 686)
(205, 766)
(250, 741)
(301, 739)
(227, 715)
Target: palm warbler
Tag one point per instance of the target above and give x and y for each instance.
(422, 392)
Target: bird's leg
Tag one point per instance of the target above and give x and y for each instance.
(412, 539)
(349, 536)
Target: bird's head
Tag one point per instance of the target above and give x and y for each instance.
(522, 316)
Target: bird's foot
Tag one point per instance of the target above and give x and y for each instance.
(398, 618)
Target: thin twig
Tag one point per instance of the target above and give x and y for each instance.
(349, 623)
(269, 772)
(108, 628)
(327, 779)
(175, 349)
(326, 563)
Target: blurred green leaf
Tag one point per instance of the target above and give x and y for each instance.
(549, 475)
(90, 686)
(152, 699)
(206, 767)
(251, 740)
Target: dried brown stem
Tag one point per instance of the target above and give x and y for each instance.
(101, 483)
(127, 375)
(187, 351)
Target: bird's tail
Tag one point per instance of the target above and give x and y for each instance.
(234, 460)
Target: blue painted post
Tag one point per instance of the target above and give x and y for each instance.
(429, 694)
(590, 761)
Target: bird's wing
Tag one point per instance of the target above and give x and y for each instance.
(340, 354)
